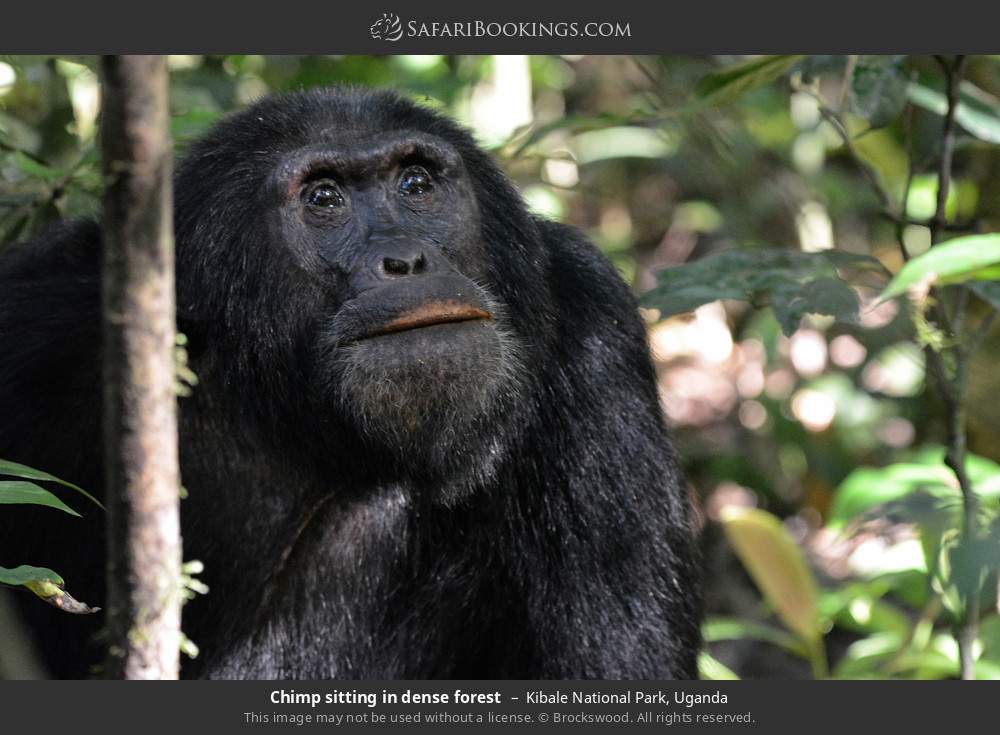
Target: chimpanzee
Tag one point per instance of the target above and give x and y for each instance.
(426, 440)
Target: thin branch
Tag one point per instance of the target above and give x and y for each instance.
(951, 384)
(845, 88)
(910, 173)
(872, 176)
(953, 75)
(953, 390)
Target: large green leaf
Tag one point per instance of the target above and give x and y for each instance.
(923, 472)
(974, 257)
(18, 492)
(793, 282)
(729, 83)
(30, 473)
(777, 567)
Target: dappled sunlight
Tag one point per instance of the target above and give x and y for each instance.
(501, 103)
(705, 337)
(808, 352)
(7, 78)
(846, 351)
(814, 409)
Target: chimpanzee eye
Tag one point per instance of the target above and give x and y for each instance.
(415, 180)
(324, 194)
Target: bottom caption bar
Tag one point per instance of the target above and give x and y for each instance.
(459, 706)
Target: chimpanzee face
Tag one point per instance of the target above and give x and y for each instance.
(410, 339)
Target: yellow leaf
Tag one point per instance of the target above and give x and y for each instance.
(778, 569)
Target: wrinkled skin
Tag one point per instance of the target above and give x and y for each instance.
(426, 439)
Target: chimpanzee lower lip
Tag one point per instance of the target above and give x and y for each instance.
(431, 314)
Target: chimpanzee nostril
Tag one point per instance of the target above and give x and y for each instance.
(396, 267)
(420, 264)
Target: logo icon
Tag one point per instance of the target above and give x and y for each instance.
(387, 28)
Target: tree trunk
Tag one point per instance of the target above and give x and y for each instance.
(140, 424)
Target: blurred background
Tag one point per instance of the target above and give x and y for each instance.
(827, 426)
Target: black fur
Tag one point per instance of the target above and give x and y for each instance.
(508, 505)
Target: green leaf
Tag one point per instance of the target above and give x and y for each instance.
(777, 567)
(922, 477)
(729, 83)
(32, 168)
(879, 655)
(953, 261)
(978, 122)
(24, 574)
(791, 301)
(17, 492)
(47, 585)
(728, 629)
(796, 283)
(711, 669)
(865, 657)
(30, 473)
(878, 89)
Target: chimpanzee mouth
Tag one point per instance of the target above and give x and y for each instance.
(431, 314)
(449, 307)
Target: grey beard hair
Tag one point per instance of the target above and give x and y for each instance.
(414, 411)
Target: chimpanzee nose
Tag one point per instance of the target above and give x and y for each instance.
(388, 261)
(397, 266)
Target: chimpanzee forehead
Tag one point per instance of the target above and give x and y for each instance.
(365, 154)
(364, 136)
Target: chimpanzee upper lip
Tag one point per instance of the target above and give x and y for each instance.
(431, 313)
